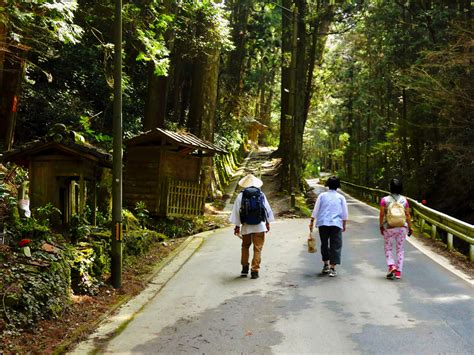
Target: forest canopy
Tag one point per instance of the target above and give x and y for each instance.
(369, 89)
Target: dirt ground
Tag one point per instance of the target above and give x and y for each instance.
(263, 165)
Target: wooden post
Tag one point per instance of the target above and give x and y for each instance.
(117, 192)
(471, 252)
(94, 203)
(82, 194)
(450, 241)
(433, 231)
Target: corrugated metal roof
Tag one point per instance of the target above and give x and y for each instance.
(181, 138)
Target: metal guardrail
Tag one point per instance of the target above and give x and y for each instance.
(423, 216)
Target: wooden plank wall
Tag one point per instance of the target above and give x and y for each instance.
(146, 172)
(141, 177)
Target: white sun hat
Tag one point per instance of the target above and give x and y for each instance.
(250, 180)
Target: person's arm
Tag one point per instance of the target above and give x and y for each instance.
(314, 215)
(408, 218)
(269, 217)
(382, 216)
(235, 215)
(268, 210)
(345, 213)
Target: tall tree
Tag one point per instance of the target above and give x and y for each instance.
(306, 55)
(403, 94)
(28, 26)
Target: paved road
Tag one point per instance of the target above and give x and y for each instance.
(206, 308)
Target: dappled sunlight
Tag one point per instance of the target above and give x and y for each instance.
(366, 240)
(451, 298)
(362, 218)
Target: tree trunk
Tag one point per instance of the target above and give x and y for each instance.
(155, 107)
(267, 109)
(404, 131)
(304, 73)
(156, 101)
(285, 114)
(14, 66)
(203, 105)
(3, 43)
(233, 83)
(299, 119)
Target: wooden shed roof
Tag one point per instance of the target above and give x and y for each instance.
(251, 121)
(23, 153)
(182, 139)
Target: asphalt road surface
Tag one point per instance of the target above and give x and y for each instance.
(207, 308)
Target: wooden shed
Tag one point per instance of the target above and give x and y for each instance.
(62, 172)
(163, 170)
(254, 127)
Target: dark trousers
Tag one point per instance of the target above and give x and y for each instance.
(331, 244)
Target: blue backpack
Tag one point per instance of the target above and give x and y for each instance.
(252, 209)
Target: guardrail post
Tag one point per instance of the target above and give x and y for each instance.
(471, 252)
(433, 231)
(422, 224)
(450, 241)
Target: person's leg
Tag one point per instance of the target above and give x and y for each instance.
(258, 239)
(324, 234)
(335, 247)
(244, 259)
(389, 237)
(400, 237)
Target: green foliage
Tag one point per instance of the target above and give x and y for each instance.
(86, 125)
(138, 242)
(129, 220)
(174, 228)
(38, 23)
(83, 277)
(397, 83)
(79, 228)
(45, 213)
(27, 228)
(201, 25)
(31, 292)
(142, 214)
(6, 195)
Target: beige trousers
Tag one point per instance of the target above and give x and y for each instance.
(257, 239)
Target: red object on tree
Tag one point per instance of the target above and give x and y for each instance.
(24, 242)
(15, 103)
(423, 202)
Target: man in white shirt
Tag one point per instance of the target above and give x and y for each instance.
(251, 215)
(330, 212)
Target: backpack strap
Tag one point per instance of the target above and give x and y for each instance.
(401, 200)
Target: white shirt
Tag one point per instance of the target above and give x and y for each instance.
(330, 209)
(250, 228)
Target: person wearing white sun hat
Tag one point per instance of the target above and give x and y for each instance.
(251, 215)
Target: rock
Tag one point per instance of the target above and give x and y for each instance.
(50, 248)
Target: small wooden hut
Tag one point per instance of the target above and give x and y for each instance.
(254, 127)
(163, 170)
(62, 172)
